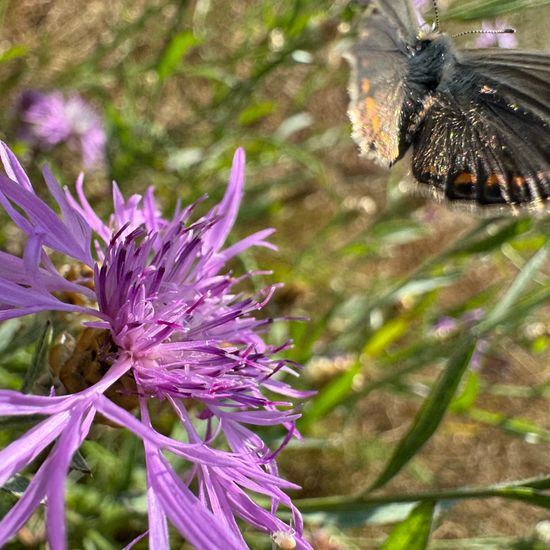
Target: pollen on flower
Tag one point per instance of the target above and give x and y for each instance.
(284, 540)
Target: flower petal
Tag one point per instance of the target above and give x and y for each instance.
(60, 459)
(229, 207)
(74, 222)
(24, 450)
(25, 506)
(58, 235)
(12, 167)
(197, 524)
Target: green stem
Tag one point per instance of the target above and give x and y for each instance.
(526, 490)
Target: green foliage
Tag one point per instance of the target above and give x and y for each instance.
(479, 9)
(174, 52)
(431, 413)
(414, 532)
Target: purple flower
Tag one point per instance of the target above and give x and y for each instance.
(491, 38)
(162, 322)
(445, 326)
(478, 356)
(47, 119)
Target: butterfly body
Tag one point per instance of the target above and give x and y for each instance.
(431, 62)
(477, 121)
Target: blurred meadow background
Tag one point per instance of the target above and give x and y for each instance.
(429, 328)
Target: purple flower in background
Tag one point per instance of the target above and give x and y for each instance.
(478, 356)
(162, 322)
(491, 39)
(47, 119)
(445, 326)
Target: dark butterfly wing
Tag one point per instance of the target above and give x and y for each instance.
(379, 67)
(494, 57)
(485, 132)
(402, 16)
(522, 77)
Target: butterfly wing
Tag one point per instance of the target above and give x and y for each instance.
(521, 76)
(377, 85)
(485, 134)
(402, 16)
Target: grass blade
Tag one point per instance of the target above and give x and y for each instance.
(414, 532)
(39, 362)
(525, 276)
(431, 412)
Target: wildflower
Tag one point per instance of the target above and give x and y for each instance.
(480, 351)
(492, 38)
(163, 322)
(446, 326)
(47, 119)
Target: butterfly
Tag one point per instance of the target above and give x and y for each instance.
(476, 120)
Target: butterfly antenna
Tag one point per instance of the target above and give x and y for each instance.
(482, 31)
(436, 13)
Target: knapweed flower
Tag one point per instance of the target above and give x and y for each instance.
(47, 119)
(163, 321)
(491, 36)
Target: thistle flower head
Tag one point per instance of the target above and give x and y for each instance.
(47, 119)
(164, 321)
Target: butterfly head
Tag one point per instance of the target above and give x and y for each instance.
(428, 31)
(429, 57)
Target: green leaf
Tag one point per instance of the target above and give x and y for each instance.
(357, 516)
(396, 231)
(504, 306)
(174, 52)
(419, 286)
(431, 413)
(480, 9)
(8, 330)
(96, 541)
(39, 362)
(382, 338)
(496, 238)
(527, 430)
(468, 395)
(414, 532)
(524, 490)
(16, 485)
(78, 463)
(256, 111)
(13, 53)
(526, 494)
